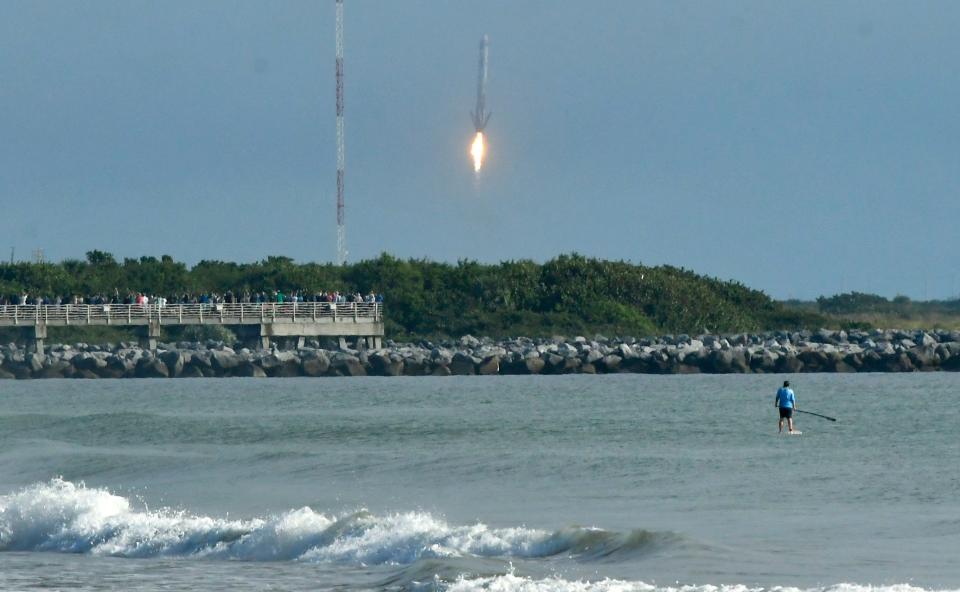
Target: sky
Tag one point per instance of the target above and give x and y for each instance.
(801, 148)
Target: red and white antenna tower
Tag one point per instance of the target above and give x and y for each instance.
(341, 226)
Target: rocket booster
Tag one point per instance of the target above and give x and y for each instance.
(479, 116)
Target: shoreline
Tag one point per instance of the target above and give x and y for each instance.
(778, 352)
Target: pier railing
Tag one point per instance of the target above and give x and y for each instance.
(190, 314)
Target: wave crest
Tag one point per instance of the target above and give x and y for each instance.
(514, 583)
(66, 517)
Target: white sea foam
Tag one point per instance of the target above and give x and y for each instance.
(514, 583)
(67, 517)
(62, 516)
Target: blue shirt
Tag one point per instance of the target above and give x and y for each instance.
(785, 398)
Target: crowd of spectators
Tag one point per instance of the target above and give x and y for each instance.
(229, 297)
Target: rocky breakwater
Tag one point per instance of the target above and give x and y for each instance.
(776, 352)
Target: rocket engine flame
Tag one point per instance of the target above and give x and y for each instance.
(480, 115)
(478, 150)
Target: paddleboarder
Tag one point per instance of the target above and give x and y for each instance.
(785, 402)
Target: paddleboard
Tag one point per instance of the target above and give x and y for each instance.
(793, 433)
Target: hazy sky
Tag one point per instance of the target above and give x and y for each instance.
(802, 148)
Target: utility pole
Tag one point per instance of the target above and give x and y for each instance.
(341, 224)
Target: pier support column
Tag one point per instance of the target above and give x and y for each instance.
(264, 337)
(254, 336)
(301, 341)
(39, 334)
(151, 337)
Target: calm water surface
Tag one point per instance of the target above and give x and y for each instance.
(480, 483)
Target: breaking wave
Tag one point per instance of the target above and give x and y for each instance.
(513, 583)
(61, 516)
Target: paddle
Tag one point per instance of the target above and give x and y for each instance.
(817, 414)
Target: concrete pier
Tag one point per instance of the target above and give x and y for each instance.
(150, 336)
(359, 322)
(39, 334)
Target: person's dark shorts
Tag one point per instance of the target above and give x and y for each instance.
(786, 412)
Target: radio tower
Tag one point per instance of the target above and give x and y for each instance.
(341, 227)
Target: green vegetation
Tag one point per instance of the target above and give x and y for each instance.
(97, 334)
(871, 310)
(567, 295)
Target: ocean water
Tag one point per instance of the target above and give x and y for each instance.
(509, 483)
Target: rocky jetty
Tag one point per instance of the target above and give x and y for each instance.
(775, 352)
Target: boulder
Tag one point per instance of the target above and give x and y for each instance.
(201, 359)
(315, 364)
(571, 364)
(789, 364)
(870, 361)
(637, 365)
(288, 365)
(191, 371)
(718, 361)
(534, 365)
(247, 368)
(469, 342)
(853, 360)
(658, 362)
(902, 363)
(347, 365)
(825, 336)
(611, 363)
(462, 365)
(951, 361)
(738, 361)
(118, 367)
(593, 356)
(489, 365)
(173, 360)
(923, 358)
(224, 360)
(89, 361)
(150, 367)
(814, 360)
(769, 361)
(441, 357)
(554, 363)
(35, 362)
(415, 365)
(383, 364)
(55, 368)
